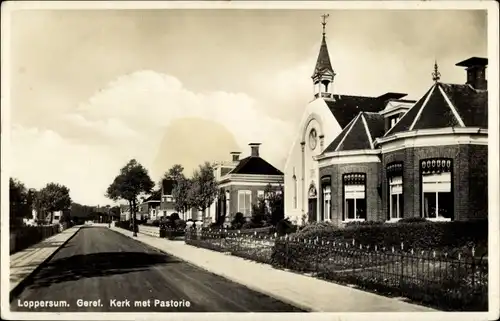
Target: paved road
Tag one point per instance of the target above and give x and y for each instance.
(100, 264)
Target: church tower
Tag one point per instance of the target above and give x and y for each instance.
(323, 72)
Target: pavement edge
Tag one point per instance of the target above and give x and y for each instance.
(250, 286)
(21, 286)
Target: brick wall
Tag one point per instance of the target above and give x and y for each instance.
(469, 178)
(233, 190)
(373, 200)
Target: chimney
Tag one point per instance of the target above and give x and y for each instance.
(476, 72)
(235, 156)
(255, 149)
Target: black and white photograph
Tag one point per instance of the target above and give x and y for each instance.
(246, 159)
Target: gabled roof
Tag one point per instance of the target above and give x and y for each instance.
(446, 105)
(323, 64)
(473, 61)
(360, 133)
(345, 108)
(255, 165)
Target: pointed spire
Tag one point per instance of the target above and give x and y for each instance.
(323, 64)
(436, 75)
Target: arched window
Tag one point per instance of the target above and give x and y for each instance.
(437, 196)
(395, 181)
(354, 186)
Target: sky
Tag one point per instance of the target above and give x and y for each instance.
(93, 89)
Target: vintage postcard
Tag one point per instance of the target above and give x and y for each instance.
(246, 160)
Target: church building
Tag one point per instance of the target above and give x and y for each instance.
(383, 158)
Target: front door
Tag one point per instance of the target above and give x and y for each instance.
(312, 210)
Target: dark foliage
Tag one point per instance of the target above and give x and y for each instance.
(27, 236)
(285, 227)
(421, 236)
(238, 221)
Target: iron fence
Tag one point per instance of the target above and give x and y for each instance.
(449, 281)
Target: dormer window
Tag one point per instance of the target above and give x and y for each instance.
(394, 120)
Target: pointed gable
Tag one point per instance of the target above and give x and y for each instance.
(359, 133)
(323, 64)
(255, 165)
(446, 105)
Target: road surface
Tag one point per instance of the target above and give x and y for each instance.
(100, 270)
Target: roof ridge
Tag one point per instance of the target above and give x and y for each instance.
(367, 129)
(423, 106)
(452, 107)
(348, 131)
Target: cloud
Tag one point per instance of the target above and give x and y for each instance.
(42, 156)
(127, 119)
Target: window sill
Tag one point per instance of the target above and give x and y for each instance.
(393, 220)
(438, 219)
(354, 220)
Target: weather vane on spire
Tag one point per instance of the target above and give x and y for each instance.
(323, 22)
(436, 75)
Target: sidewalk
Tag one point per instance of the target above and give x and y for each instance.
(302, 291)
(25, 262)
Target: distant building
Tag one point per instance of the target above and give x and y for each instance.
(167, 203)
(149, 209)
(241, 183)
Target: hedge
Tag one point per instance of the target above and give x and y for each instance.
(417, 235)
(23, 237)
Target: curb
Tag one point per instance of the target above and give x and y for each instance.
(251, 287)
(22, 285)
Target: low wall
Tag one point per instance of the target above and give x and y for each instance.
(149, 230)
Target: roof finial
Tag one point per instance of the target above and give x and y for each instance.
(323, 22)
(436, 75)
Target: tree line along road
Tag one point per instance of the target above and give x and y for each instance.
(100, 270)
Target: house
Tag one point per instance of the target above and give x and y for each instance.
(124, 212)
(241, 182)
(386, 158)
(323, 120)
(167, 203)
(150, 208)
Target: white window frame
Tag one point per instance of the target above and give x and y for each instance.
(327, 200)
(395, 188)
(353, 192)
(247, 208)
(435, 183)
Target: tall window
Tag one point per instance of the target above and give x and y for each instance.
(437, 198)
(245, 202)
(327, 199)
(395, 179)
(354, 197)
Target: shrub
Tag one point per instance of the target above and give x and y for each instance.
(412, 220)
(422, 236)
(180, 224)
(174, 217)
(362, 223)
(318, 229)
(238, 221)
(284, 227)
